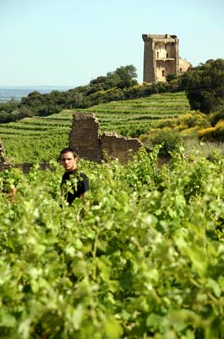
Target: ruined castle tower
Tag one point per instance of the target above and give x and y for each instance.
(161, 57)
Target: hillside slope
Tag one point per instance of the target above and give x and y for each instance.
(41, 138)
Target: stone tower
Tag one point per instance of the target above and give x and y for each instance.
(161, 57)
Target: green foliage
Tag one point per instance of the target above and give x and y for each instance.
(187, 126)
(140, 257)
(127, 75)
(205, 85)
(193, 119)
(169, 142)
(215, 133)
(9, 106)
(171, 77)
(185, 121)
(217, 116)
(122, 77)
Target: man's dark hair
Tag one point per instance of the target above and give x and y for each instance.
(68, 149)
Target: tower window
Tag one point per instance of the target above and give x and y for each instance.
(157, 54)
(163, 73)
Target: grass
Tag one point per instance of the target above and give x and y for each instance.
(194, 147)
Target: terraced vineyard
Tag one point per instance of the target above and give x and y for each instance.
(123, 116)
(41, 138)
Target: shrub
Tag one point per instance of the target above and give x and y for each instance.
(215, 117)
(186, 121)
(171, 77)
(170, 123)
(206, 134)
(169, 140)
(189, 132)
(213, 133)
(191, 119)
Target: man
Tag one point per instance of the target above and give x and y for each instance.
(74, 184)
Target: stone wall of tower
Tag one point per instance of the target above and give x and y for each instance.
(161, 57)
(149, 59)
(184, 65)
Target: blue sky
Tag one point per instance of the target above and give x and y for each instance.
(71, 42)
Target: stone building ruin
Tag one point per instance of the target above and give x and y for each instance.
(85, 138)
(161, 57)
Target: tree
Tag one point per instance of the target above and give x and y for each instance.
(113, 79)
(99, 80)
(128, 75)
(204, 85)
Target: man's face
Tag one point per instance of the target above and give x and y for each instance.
(68, 161)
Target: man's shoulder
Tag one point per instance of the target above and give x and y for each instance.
(83, 175)
(85, 180)
(66, 176)
(75, 173)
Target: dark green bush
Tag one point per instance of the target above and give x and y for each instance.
(169, 142)
(171, 77)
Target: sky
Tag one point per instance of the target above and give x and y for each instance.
(71, 42)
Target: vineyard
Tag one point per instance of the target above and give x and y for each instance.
(140, 257)
(43, 137)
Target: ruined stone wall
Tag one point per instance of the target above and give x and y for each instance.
(184, 65)
(85, 139)
(120, 148)
(84, 136)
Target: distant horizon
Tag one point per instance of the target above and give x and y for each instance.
(17, 92)
(33, 86)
